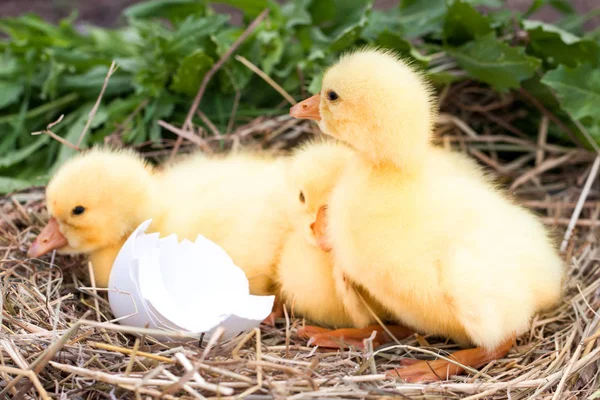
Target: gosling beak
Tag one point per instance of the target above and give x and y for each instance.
(307, 109)
(49, 239)
(319, 228)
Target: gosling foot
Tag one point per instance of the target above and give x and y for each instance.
(344, 338)
(276, 312)
(438, 370)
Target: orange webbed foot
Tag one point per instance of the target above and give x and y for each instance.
(276, 312)
(425, 371)
(343, 338)
(308, 331)
(431, 371)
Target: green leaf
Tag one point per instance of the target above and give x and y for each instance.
(8, 65)
(271, 49)
(189, 34)
(495, 63)
(50, 87)
(171, 9)
(77, 59)
(463, 23)
(392, 41)
(558, 46)
(486, 3)
(90, 83)
(250, 7)
(17, 156)
(233, 75)
(389, 40)
(45, 109)
(349, 33)
(560, 5)
(443, 78)
(576, 22)
(347, 12)
(563, 6)
(312, 39)
(190, 73)
(594, 131)
(566, 37)
(322, 11)
(535, 5)
(36, 32)
(382, 21)
(121, 43)
(161, 108)
(419, 18)
(296, 13)
(10, 92)
(9, 185)
(542, 93)
(502, 20)
(578, 89)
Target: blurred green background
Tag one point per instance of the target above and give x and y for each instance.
(53, 61)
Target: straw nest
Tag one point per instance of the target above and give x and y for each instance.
(58, 340)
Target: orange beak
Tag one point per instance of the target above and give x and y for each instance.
(319, 228)
(49, 239)
(307, 109)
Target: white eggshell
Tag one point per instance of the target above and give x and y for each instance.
(184, 286)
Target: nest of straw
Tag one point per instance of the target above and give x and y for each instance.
(58, 339)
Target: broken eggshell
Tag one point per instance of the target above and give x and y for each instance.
(184, 286)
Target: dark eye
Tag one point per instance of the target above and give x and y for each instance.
(301, 197)
(78, 210)
(332, 96)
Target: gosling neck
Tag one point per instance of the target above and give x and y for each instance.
(103, 258)
(402, 147)
(102, 263)
(144, 207)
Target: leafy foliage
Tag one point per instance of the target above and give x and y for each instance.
(495, 63)
(578, 90)
(167, 46)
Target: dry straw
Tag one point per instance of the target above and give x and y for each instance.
(58, 339)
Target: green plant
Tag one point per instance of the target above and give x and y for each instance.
(167, 47)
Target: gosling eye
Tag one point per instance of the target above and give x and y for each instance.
(332, 96)
(78, 210)
(301, 197)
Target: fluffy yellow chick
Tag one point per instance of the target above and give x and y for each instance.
(98, 198)
(423, 230)
(307, 282)
(305, 271)
(312, 173)
(95, 201)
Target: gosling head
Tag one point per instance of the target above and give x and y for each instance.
(95, 200)
(375, 102)
(314, 170)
